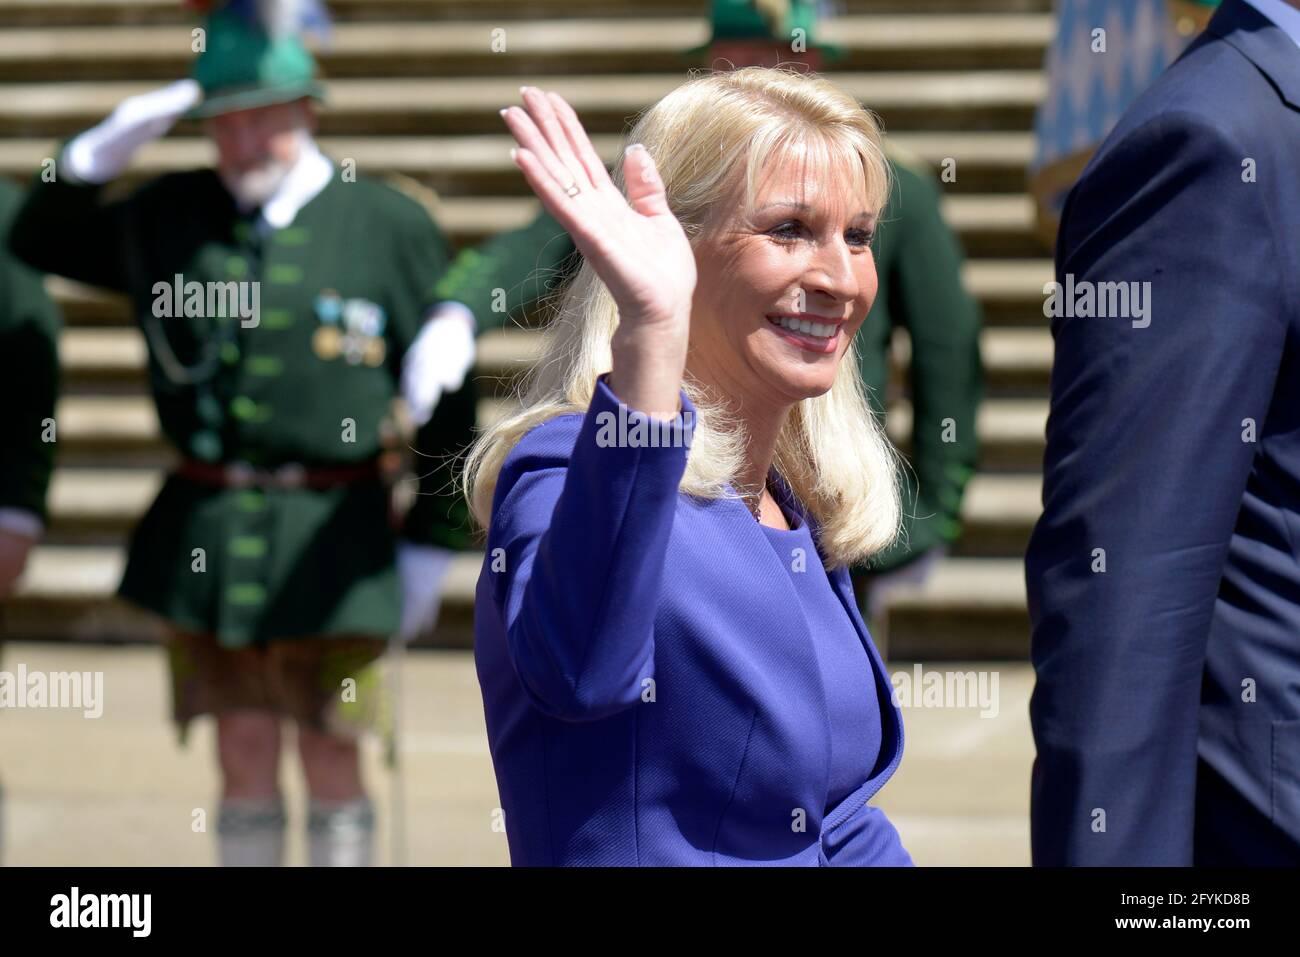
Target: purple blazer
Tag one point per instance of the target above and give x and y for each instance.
(651, 688)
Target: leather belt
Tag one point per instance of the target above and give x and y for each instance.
(288, 476)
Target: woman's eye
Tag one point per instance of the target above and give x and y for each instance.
(794, 229)
(787, 230)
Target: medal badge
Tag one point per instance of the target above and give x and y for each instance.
(351, 328)
(329, 310)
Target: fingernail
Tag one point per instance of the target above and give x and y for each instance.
(505, 110)
(523, 90)
(513, 154)
(634, 146)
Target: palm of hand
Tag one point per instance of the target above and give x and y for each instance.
(635, 243)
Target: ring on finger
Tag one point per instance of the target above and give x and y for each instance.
(573, 189)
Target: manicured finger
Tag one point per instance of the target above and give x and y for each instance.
(558, 203)
(581, 143)
(543, 114)
(529, 137)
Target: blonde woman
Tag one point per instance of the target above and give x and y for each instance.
(673, 666)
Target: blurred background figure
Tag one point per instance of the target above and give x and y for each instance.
(29, 382)
(1092, 78)
(283, 301)
(919, 265)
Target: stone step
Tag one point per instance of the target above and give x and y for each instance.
(48, 12)
(99, 506)
(1011, 432)
(970, 607)
(998, 224)
(1009, 290)
(480, 166)
(966, 604)
(113, 359)
(532, 47)
(932, 100)
(123, 430)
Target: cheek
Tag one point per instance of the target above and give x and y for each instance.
(282, 147)
(868, 282)
(738, 290)
(765, 274)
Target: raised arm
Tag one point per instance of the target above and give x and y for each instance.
(64, 226)
(582, 522)
(579, 533)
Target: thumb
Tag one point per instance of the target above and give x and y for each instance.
(645, 190)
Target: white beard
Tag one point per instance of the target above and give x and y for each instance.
(252, 188)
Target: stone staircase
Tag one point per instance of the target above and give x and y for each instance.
(415, 89)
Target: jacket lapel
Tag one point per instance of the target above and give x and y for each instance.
(1263, 43)
(891, 732)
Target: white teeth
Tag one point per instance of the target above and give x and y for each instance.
(822, 330)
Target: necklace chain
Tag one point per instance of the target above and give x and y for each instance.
(755, 505)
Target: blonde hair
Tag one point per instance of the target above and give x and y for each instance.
(831, 451)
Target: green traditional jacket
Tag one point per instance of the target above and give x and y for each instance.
(918, 261)
(343, 292)
(29, 375)
(919, 265)
(509, 274)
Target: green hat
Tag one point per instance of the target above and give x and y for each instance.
(242, 66)
(769, 20)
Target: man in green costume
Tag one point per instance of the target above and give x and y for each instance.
(29, 382)
(284, 301)
(918, 261)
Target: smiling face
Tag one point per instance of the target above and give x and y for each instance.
(783, 286)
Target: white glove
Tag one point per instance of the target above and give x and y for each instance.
(421, 569)
(103, 152)
(439, 359)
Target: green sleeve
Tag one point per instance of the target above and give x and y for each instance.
(926, 296)
(419, 259)
(501, 279)
(67, 228)
(439, 514)
(29, 377)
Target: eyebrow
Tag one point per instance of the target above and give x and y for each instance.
(803, 208)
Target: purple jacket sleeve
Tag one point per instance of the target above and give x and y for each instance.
(578, 536)
(867, 839)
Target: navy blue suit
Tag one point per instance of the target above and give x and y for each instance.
(1164, 573)
(652, 690)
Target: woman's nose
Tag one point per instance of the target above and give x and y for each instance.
(831, 272)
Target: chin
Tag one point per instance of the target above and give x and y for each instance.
(255, 186)
(800, 382)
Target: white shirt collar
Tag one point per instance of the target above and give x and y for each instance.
(307, 177)
(1283, 15)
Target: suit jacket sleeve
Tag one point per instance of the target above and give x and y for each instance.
(576, 548)
(1148, 455)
